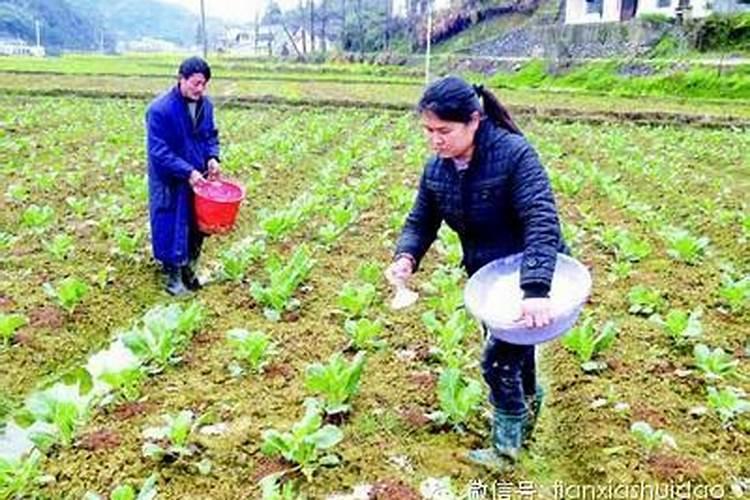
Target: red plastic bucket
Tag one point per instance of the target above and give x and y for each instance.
(216, 205)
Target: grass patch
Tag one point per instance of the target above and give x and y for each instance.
(668, 80)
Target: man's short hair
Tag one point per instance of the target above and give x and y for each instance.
(193, 65)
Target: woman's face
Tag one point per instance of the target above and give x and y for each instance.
(449, 139)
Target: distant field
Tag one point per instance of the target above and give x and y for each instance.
(309, 88)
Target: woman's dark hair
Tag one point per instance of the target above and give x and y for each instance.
(452, 99)
(193, 65)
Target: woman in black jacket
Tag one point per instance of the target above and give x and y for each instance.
(486, 182)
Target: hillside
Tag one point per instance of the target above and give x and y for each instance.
(78, 24)
(491, 20)
(133, 19)
(62, 25)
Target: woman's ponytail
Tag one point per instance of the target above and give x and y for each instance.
(495, 111)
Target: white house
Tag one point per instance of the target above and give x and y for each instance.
(147, 44)
(17, 47)
(610, 11)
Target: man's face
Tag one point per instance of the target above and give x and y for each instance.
(193, 87)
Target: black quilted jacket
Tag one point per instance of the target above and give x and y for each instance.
(502, 204)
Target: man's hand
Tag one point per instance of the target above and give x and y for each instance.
(213, 169)
(196, 178)
(536, 312)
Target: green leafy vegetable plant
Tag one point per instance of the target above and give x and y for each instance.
(283, 280)
(305, 445)
(715, 364)
(459, 397)
(364, 332)
(644, 301)
(728, 403)
(586, 341)
(651, 439)
(252, 348)
(175, 439)
(20, 477)
(337, 381)
(680, 325)
(685, 247)
(9, 324)
(355, 299)
(69, 292)
(60, 246)
(148, 491)
(62, 406)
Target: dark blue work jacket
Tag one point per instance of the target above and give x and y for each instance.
(500, 205)
(176, 147)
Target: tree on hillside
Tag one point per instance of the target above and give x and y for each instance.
(357, 25)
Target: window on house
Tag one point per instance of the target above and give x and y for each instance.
(663, 3)
(594, 6)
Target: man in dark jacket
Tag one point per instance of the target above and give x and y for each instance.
(183, 148)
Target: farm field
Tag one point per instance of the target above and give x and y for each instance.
(562, 105)
(365, 86)
(659, 213)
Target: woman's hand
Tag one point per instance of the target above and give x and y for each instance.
(400, 270)
(536, 312)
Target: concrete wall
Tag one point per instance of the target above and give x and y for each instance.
(700, 8)
(728, 6)
(577, 41)
(575, 10)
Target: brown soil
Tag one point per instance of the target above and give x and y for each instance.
(672, 467)
(6, 303)
(267, 466)
(648, 414)
(24, 337)
(206, 338)
(414, 417)
(390, 489)
(426, 381)
(129, 410)
(46, 317)
(103, 439)
(662, 367)
(280, 370)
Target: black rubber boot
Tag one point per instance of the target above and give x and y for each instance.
(175, 286)
(189, 278)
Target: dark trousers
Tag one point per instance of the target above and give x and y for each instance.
(510, 371)
(195, 244)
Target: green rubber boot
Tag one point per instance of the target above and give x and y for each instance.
(534, 404)
(508, 433)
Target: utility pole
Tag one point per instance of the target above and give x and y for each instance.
(257, 30)
(429, 44)
(101, 41)
(302, 27)
(312, 26)
(343, 25)
(203, 30)
(387, 26)
(323, 19)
